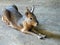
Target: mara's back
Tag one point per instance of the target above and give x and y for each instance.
(14, 13)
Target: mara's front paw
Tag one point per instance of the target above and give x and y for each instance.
(41, 36)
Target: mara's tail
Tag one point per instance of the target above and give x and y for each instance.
(47, 33)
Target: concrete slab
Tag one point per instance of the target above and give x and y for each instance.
(48, 15)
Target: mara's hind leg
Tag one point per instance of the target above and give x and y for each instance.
(6, 17)
(15, 26)
(6, 20)
(9, 20)
(10, 23)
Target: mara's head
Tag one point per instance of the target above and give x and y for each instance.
(31, 18)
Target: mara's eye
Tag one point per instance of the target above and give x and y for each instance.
(31, 18)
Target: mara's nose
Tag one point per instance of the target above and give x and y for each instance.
(37, 23)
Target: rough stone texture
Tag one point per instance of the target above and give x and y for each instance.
(48, 15)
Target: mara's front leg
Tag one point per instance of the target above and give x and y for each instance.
(25, 30)
(34, 33)
(39, 36)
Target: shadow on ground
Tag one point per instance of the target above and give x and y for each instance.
(47, 33)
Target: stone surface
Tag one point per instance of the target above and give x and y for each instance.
(48, 15)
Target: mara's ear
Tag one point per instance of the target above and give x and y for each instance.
(27, 11)
(32, 9)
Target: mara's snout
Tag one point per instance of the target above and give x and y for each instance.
(35, 24)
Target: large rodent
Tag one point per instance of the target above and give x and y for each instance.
(13, 18)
